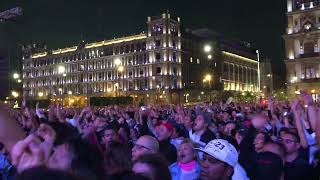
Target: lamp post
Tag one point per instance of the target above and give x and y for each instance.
(61, 71)
(208, 78)
(207, 48)
(258, 57)
(15, 94)
(119, 69)
(15, 76)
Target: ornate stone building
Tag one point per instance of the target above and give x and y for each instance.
(302, 43)
(154, 66)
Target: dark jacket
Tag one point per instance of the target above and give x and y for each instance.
(168, 151)
(207, 136)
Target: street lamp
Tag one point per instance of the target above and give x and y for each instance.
(15, 94)
(16, 76)
(120, 69)
(209, 56)
(258, 57)
(208, 78)
(61, 69)
(40, 94)
(207, 48)
(117, 62)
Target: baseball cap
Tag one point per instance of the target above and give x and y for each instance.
(221, 150)
(167, 125)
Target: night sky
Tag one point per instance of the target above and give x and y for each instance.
(60, 23)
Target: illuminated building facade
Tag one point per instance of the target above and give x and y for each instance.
(302, 43)
(153, 66)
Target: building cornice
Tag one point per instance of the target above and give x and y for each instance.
(92, 45)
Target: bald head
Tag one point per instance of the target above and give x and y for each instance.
(145, 145)
(149, 142)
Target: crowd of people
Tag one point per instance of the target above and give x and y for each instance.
(206, 141)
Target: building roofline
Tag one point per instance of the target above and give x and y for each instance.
(92, 45)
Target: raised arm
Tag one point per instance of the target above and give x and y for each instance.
(295, 106)
(10, 131)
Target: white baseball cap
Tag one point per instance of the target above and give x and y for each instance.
(221, 150)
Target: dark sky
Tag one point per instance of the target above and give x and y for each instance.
(61, 23)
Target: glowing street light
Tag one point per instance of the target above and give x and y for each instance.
(208, 77)
(120, 68)
(209, 56)
(207, 48)
(16, 76)
(70, 92)
(117, 62)
(61, 69)
(40, 94)
(19, 80)
(15, 94)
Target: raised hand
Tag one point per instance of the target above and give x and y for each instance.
(258, 121)
(307, 98)
(27, 153)
(295, 105)
(47, 133)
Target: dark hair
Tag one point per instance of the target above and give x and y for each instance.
(64, 132)
(43, 173)
(117, 158)
(1, 146)
(157, 164)
(87, 161)
(294, 134)
(266, 136)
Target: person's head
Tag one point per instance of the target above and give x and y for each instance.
(234, 114)
(229, 127)
(117, 158)
(186, 152)
(164, 131)
(219, 160)
(276, 148)
(225, 116)
(200, 123)
(109, 135)
(64, 132)
(144, 145)
(152, 166)
(282, 131)
(268, 166)
(291, 142)
(78, 157)
(99, 122)
(187, 122)
(260, 140)
(240, 134)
